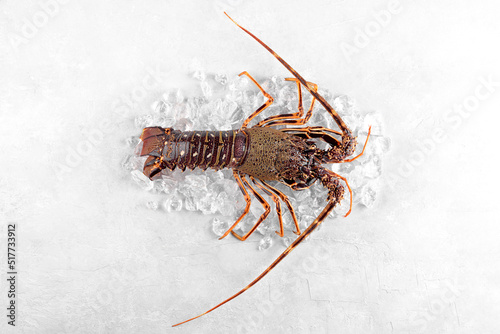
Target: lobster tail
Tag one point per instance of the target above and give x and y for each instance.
(169, 148)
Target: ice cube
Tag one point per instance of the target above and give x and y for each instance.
(133, 141)
(128, 162)
(367, 196)
(207, 205)
(287, 221)
(182, 110)
(163, 121)
(190, 204)
(197, 181)
(176, 204)
(199, 74)
(343, 104)
(159, 185)
(169, 185)
(286, 94)
(225, 205)
(306, 208)
(219, 227)
(142, 180)
(161, 107)
(153, 205)
(179, 96)
(356, 178)
(372, 168)
(214, 175)
(287, 240)
(238, 84)
(221, 79)
(172, 204)
(184, 124)
(138, 149)
(265, 242)
(143, 121)
(206, 89)
(379, 144)
(238, 116)
(278, 80)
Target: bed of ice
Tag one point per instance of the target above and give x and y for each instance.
(223, 105)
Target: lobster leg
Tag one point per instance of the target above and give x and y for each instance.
(266, 104)
(247, 207)
(285, 199)
(350, 192)
(295, 118)
(261, 218)
(276, 200)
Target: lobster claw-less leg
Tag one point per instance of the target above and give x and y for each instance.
(276, 200)
(285, 199)
(236, 175)
(294, 118)
(266, 104)
(264, 203)
(326, 211)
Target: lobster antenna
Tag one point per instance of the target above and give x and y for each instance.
(326, 211)
(320, 98)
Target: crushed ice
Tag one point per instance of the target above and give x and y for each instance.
(223, 104)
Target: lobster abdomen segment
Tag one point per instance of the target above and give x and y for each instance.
(169, 148)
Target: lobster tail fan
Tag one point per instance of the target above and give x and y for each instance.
(153, 140)
(152, 166)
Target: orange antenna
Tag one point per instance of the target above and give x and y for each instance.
(320, 98)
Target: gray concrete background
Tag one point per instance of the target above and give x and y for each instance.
(93, 259)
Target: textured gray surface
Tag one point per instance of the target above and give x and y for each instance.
(93, 258)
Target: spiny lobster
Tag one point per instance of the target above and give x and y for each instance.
(263, 153)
